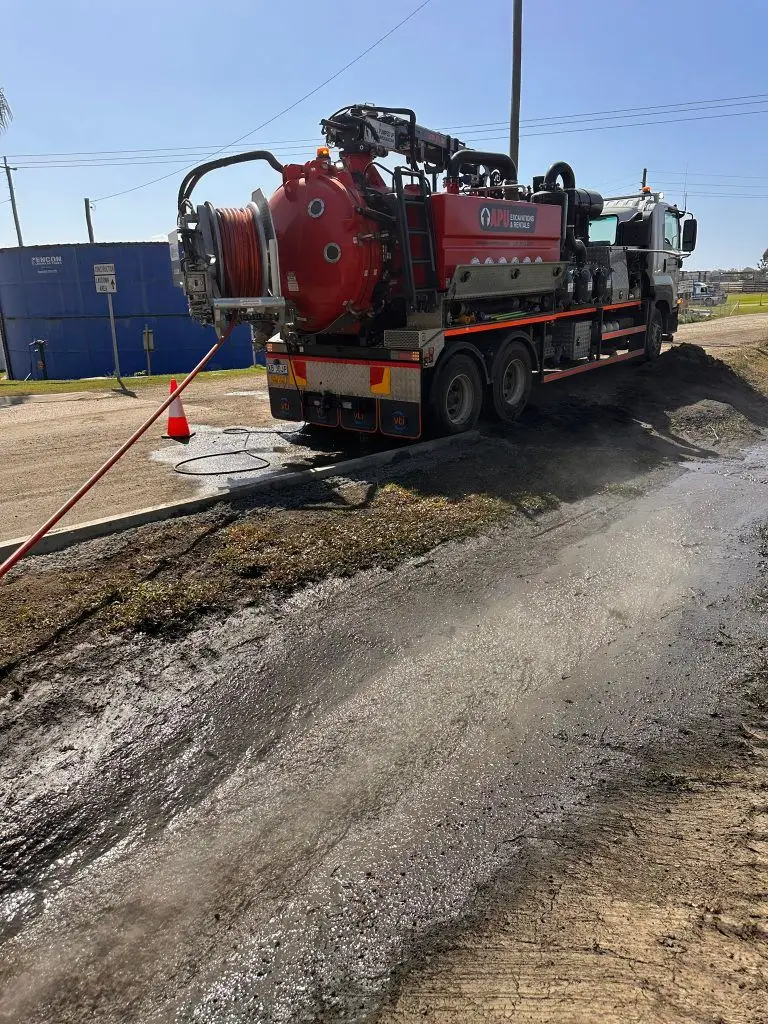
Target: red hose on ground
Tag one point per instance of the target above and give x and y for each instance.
(28, 544)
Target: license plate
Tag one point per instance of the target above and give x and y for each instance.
(277, 366)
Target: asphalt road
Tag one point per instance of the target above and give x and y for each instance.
(257, 822)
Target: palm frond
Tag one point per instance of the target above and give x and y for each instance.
(6, 114)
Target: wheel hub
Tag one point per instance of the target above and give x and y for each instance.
(458, 399)
(513, 382)
(654, 339)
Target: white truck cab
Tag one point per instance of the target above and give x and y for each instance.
(646, 223)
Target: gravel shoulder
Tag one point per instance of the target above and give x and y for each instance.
(726, 332)
(48, 447)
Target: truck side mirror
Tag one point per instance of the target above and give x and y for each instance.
(690, 228)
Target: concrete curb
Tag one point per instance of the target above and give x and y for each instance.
(57, 540)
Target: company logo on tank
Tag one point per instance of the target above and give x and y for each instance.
(505, 217)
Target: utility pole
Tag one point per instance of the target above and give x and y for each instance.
(517, 61)
(13, 200)
(88, 220)
(114, 341)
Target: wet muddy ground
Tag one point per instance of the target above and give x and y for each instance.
(382, 782)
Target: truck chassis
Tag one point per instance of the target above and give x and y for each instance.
(482, 368)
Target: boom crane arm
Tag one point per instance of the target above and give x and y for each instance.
(381, 130)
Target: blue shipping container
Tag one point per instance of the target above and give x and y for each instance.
(48, 292)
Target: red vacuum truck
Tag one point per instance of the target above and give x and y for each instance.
(391, 303)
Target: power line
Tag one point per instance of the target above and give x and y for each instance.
(722, 195)
(705, 184)
(637, 124)
(629, 111)
(75, 165)
(585, 124)
(485, 138)
(747, 177)
(531, 122)
(107, 161)
(157, 150)
(285, 110)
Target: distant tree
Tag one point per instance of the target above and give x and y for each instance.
(763, 264)
(6, 115)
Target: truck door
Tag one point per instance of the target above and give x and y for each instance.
(671, 246)
(665, 261)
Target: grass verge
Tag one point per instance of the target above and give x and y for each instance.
(282, 553)
(736, 304)
(174, 572)
(10, 388)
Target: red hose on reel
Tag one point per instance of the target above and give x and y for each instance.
(240, 253)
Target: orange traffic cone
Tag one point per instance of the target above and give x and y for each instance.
(178, 427)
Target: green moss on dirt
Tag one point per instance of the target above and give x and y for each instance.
(38, 606)
(173, 573)
(531, 503)
(287, 551)
(624, 490)
(152, 605)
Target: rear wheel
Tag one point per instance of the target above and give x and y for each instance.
(511, 382)
(456, 395)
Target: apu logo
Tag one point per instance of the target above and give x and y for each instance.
(398, 420)
(285, 405)
(508, 217)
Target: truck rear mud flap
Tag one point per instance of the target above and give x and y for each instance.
(359, 414)
(286, 404)
(400, 419)
(322, 410)
(364, 415)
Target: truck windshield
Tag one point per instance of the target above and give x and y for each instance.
(603, 229)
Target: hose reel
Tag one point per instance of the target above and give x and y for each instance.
(240, 247)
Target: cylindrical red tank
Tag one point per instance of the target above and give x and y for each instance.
(330, 254)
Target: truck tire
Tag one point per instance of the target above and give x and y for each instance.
(511, 382)
(456, 395)
(653, 335)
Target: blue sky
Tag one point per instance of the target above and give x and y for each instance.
(154, 74)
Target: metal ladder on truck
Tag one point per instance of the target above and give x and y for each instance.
(421, 295)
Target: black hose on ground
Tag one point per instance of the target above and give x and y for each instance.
(245, 450)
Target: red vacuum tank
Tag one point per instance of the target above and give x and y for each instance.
(330, 252)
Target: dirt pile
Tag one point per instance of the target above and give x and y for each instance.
(709, 422)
